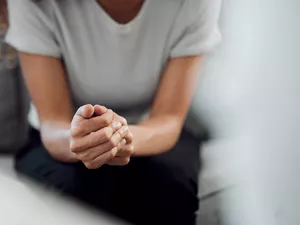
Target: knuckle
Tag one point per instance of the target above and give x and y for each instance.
(107, 133)
(106, 121)
(121, 145)
(129, 137)
(110, 114)
(109, 111)
(130, 149)
(120, 148)
(111, 155)
(121, 133)
(74, 146)
(112, 143)
(123, 121)
(83, 123)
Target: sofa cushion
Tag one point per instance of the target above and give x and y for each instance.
(14, 100)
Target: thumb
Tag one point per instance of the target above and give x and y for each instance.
(99, 110)
(85, 111)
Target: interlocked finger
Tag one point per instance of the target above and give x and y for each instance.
(97, 138)
(126, 151)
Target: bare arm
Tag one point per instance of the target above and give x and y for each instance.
(46, 81)
(45, 78)
(94, 140)
(161, 131)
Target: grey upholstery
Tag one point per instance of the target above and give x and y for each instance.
(14, 101)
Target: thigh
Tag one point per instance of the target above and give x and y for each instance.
(96, 187)
(163, 189)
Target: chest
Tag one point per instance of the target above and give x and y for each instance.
(111, 62)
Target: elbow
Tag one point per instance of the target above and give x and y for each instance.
(47, 134)
(46, 141)
(49, 144)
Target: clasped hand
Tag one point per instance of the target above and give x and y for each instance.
(99, 136)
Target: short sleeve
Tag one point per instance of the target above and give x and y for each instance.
(197, 28)
(31, 29)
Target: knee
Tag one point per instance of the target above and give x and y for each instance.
(172, 200)
(176, 189)
(176, 174)
(180, 193)
(47, 172)
(63, 178)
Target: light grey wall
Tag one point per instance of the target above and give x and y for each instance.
(249, 98)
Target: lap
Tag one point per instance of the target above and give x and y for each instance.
(93, 187)
(152, 183)
(166, 183)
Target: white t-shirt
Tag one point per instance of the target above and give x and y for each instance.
(112, 64)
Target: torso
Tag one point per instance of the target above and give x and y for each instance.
(115, 63)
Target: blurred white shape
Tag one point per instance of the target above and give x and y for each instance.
(250, 91)
(23, 202)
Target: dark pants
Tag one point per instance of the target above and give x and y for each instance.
(153, 190)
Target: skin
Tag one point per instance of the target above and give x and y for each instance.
(121, 11)
(3, 14)
(96, 135)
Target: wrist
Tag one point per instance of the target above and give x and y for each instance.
(150, 140)
(142, 136)
(155, 136)
(65, 154)
(56, 139)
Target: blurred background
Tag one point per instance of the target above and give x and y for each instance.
(248, 100)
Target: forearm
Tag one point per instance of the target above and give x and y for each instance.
(56, 139)
(156, 135)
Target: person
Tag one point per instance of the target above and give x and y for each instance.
(111, 83)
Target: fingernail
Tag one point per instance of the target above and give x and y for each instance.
(123, 142)
(125, 128)
(116, 125)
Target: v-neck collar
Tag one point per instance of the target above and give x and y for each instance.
(111, 23)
